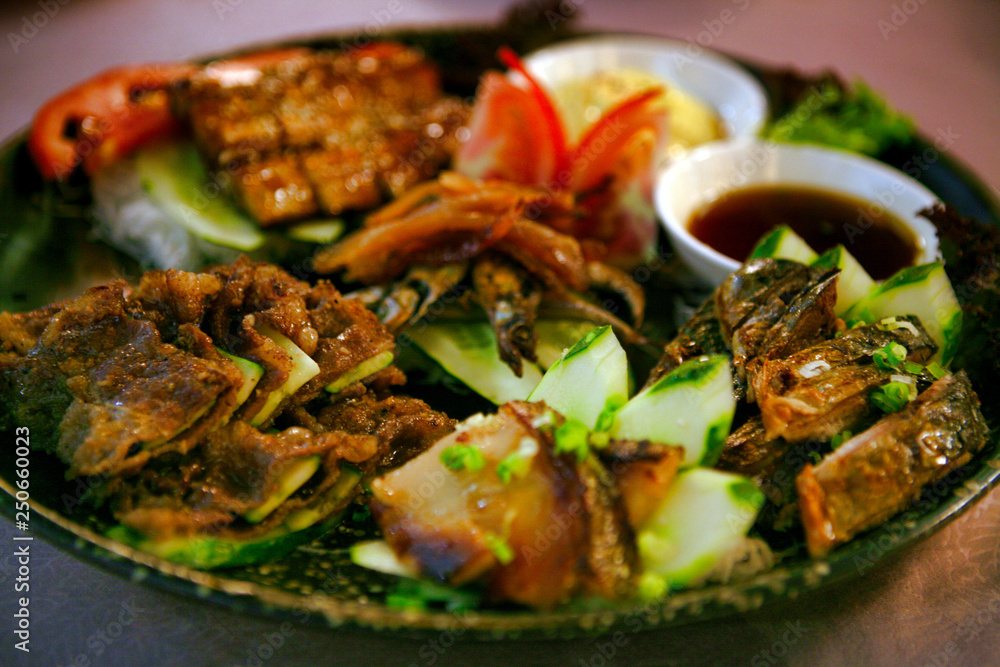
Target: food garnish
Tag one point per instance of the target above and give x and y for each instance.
(854, 118)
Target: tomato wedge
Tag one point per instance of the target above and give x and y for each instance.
(508, 136)
(605, 143)
(553, 124)
(104, 118)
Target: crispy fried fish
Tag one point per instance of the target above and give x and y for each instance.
(879, 472)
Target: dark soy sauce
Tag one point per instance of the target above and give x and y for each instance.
(879, 240)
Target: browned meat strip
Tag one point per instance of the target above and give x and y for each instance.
(404, 426)
(234, 471)
(106, 393)
(823, 390)
(879, 472)
(322, 131)
(643, 471)
(535, 536)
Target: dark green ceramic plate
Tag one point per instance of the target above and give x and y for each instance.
(46, 254)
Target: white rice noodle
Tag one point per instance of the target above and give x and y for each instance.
(127, 218)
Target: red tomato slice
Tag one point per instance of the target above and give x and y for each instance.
(509, 137)
(103, 118)
(553, 124)
(603, 145)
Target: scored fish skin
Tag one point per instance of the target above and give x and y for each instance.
(768, 302)
(772, 307)
(701, 334)
(758, 294)
(881, 471)
(823, 390)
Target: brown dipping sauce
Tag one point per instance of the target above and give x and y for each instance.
(734, 223)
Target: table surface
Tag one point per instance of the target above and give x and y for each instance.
(937, 603)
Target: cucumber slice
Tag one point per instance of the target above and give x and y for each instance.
(378, 555)
(317, 231)
(207, 552)
(361, 371)
(924, 291)
(693, 406)
(175, 177)
(589, 382)
(853, 283)
(782, 243)
(704, 516)
(295, 474)
(251, 372)
(303, 370)
(468, 351)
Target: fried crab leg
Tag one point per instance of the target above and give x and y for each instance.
(511, 299)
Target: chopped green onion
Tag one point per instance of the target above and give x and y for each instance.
(600, 440)
(893, 396)
(500, 548)
(463, 457)
(890, 356)
(936, 370)
(840, 439)
(607, 416)
(913, 367)
(361, 513)
(893, 323)
(572, 438)
(516, 464)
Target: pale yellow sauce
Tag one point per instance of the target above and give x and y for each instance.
(690, 121)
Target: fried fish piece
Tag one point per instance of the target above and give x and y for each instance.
(881, 471)
(824, 389)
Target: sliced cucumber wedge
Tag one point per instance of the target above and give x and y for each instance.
(468, 351)
(317, 231)
(378, 555)
(206, 552)
(251, 372)
(361, 371)
(295, 474)
(704, 516)
(175, 177)
(924, 291)
(589, 382)
(303, 370)
(692, 406)
(783, 243)
(853, 283)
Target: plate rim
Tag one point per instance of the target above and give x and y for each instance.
(978, 478)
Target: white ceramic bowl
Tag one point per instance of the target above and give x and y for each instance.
(720, 83)
(713, 169)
